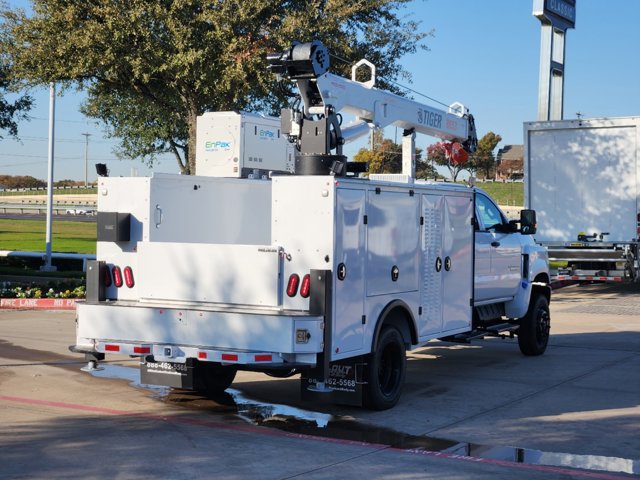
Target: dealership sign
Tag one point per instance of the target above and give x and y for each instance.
(559, 13)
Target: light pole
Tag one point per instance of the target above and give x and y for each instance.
(47, 267)
(86, 155)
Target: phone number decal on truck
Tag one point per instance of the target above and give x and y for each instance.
(168, 367)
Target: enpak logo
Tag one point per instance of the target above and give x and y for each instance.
(267, 134)
(214, 146)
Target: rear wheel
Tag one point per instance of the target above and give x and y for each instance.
(533, 334)
(385, 371)
(213, 378)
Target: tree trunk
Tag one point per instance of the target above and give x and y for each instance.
(191, 145)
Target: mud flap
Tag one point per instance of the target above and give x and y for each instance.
(346, 381)
(168, 374)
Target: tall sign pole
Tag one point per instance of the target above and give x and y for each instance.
(556, 17)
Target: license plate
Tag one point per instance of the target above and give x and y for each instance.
(170, 374)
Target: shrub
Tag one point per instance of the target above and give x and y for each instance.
(59, 290)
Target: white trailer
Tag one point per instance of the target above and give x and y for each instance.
(583, 179)
(318, 273)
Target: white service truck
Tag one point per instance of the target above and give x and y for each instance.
(582, 177)
(319, 272)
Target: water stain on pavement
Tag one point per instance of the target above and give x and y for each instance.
(307, 422)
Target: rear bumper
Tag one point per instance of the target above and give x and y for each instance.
(224, 335)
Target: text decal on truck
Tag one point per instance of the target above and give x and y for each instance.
(431, 119)
(214, 146)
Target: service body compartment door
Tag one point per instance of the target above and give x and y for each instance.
(458, 263)
(198, 272)
(349, 264)
(447, 263)
(431, 298)
(393, 242)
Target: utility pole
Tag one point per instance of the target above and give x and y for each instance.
(86, 155)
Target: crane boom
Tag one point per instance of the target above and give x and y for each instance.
(315, 127)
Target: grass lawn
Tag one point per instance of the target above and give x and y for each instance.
(30, 235)
(510, 193)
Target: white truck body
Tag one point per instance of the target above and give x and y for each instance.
(583, 179)
(204, 273)
(319, 272)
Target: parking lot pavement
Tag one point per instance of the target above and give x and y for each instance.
(580, 399)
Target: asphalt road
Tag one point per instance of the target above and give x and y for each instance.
(478, 411)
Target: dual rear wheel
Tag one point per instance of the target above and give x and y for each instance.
(386, 369)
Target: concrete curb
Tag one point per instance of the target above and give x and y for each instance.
(38, 303)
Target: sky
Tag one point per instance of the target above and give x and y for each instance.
(484, 54)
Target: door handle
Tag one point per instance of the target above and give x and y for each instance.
(158, 216)
(495, 244)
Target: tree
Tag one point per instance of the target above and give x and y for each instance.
(12, 182)
(150, 67)
(11, 112)
(386, 157)
(437, 153)
(483, 159)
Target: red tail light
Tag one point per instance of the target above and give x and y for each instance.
(306, 286)
(292, 286)
(117, 276)
(107, 278)
(128, 277)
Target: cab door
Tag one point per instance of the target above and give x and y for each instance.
(498, 253)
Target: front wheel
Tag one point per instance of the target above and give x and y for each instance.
(533, 334)
(386, 369)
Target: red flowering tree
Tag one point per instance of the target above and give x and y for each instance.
(447, 155)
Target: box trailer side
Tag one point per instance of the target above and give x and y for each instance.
(583, 176)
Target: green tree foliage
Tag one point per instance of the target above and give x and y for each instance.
(482, 160)
(11, 111)
(152, 66)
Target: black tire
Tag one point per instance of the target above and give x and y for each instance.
(213, 378)
(386, 371)
(282, 373)
(533, 334)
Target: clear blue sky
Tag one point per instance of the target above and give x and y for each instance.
(485, 54)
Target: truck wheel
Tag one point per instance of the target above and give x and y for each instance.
(385, 371)
(213, 379)
(533, 334)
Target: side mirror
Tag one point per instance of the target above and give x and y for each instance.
(528, 223)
